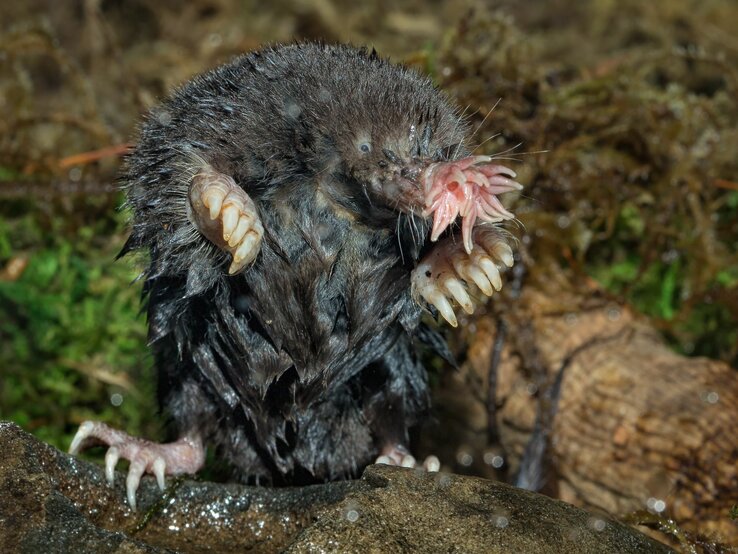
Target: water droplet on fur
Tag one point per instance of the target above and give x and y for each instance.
(241, 303)
(324, 95)
(164, 117)
(293, 110)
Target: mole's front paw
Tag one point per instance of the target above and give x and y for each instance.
(398, 455)
(226, 215)
(187, 455)
(444, 274)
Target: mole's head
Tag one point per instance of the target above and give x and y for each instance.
(383, 125)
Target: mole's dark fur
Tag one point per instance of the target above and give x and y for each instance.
(302, 367)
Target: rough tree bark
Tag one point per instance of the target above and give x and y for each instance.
(636, 422)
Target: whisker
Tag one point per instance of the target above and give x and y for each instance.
(399, 238)
(366, 193)
(518, 145)
(485, 118)
(506, 158)
(533, 152)
(414, 228)
(485, 141)
(498, 157)
(519, 224)
(459, 120)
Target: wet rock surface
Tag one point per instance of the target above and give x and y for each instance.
(51, 502)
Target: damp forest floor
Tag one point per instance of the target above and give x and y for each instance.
(621, 118)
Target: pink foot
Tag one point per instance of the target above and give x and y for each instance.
(469, 188)
(446, 272)
(187, 455)
(398, 455)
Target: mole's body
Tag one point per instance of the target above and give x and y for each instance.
(293, 365)
(283, 199)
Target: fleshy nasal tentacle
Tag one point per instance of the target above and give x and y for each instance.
(468, 188)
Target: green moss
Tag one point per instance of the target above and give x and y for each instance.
(75, 336)
(633, 183)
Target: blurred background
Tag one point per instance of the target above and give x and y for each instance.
(621, 117)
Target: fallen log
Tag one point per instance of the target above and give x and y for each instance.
(635, 425)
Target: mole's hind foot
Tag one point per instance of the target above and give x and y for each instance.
(447, 271)
(226, 216)
(398, 455)
(187, 455)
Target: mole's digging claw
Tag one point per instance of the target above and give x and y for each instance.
(398, 455)
(226, 216)
(445, 273)
(187, 455)
(432, 464)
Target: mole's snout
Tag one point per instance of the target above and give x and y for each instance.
(401, 186)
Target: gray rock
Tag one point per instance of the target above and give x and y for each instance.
(51, 502)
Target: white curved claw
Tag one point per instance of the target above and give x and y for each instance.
(502, 251)
(213, 198)
(432, 464)
(486, 264)
(408, 461)
(241, 229)
(445, 273)
(230, 215)
(227, 216)
(398, 455)
(456, 288)
(135, 472)
(80, 436)
(159, 468)
(111, 460)
(246, 252)
(437, 299)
